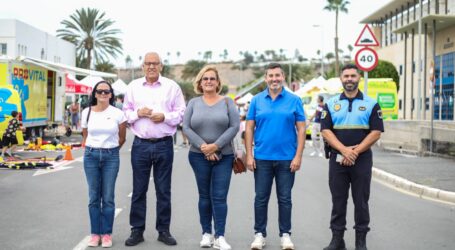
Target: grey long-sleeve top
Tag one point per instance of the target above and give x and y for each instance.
(217, 124)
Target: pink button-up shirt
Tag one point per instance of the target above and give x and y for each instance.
(163, 96)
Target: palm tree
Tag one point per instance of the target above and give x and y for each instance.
(337, 6)
(92, 34)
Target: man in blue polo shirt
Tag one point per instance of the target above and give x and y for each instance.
(277, 121)
(351, 123)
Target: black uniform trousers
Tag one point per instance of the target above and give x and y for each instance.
(358, 177)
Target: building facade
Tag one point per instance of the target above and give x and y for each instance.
(20, 39)
(424, 60)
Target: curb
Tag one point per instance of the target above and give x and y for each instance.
(417, 189)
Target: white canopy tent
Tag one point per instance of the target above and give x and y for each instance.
(244, 99)
(119, 87)
(91, 80)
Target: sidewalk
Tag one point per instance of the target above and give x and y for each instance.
(428, 177)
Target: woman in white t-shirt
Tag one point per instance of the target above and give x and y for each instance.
(104, 132)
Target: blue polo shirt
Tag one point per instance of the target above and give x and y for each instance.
(275, 135)
(351, 120)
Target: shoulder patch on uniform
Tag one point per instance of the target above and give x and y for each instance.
(323, 114)
(337, 107)
(380, 114)
(362, 108)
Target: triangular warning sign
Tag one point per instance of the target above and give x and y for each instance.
(366, 38)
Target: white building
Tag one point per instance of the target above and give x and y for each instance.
(20, 39)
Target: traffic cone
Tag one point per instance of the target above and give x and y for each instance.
(68, 155)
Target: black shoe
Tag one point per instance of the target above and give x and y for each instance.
(360, 240)
(167, 238)
(337, 242)
(135, 238)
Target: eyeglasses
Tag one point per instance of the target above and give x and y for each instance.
(208, 78)
(103, 91)
(148, 64)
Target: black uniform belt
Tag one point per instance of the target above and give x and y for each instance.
(153, 140)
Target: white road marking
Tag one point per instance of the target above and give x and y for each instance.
(49, 171)
(405, 155)
(83, 244)
(57, 167)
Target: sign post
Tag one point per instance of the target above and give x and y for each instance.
(366, 58)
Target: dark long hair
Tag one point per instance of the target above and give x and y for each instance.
(93, 100)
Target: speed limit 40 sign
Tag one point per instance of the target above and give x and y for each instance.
(366, 59)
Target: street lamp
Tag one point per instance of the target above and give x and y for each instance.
(322, 46)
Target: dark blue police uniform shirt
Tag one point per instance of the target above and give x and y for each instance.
(275, 136)
(351, 120)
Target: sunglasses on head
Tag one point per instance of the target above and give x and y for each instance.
(103, 91)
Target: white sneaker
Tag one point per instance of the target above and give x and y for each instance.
(313, 153)
(207, 240)
(259, 242)
(320, 155)
(286, 243)
(220, 243)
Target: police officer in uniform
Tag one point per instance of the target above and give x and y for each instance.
(350, 123)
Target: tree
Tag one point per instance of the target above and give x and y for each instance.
(337, 6)
(105, 66)
(385, 69)
(191, 69)
(91, 32)
(128, 61)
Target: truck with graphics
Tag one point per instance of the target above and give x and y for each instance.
(383, 90)
(31, 90)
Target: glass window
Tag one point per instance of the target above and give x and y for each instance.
(3, 49)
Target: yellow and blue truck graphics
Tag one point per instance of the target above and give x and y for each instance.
(24, 87)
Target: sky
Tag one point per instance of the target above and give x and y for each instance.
(195, 26)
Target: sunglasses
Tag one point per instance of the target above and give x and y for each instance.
(208, 78)
(103, 91)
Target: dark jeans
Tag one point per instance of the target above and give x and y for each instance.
(101, 168)
(359, 178)
(146, 155)
(263, 180)
(213, 179)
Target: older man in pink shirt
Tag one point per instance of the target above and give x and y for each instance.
(154, 106)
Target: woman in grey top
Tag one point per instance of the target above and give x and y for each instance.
(211, 122)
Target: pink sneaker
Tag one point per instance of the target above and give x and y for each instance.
(106, 240)
(94, 240)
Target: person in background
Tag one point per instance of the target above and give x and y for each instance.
(74, 109)
(9, 139)
(103, 133)
(119, 102)
(316, 136)
(351, 123)
(276, 121)
(211, 122)
(154, 106)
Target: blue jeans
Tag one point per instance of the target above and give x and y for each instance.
(101, 168)
(145, 155)
(213, 179)
(263, 180)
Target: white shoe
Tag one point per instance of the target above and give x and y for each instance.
(286, 243)
(320, 155)
(220, 243)
(207, 240)
(313, 153)
(259, 242)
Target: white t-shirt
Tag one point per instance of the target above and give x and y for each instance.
(103, 127)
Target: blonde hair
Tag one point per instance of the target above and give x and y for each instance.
(197, 82)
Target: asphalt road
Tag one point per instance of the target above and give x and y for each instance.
(48, 210)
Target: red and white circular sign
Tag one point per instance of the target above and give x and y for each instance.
(366, 59)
